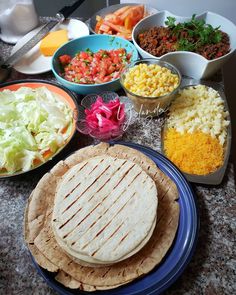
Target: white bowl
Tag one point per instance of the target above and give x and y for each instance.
(189, 63)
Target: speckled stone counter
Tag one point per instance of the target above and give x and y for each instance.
(212, 268)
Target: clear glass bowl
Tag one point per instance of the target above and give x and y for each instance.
(151, 106)
(86, 103)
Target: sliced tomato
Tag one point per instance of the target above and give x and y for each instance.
(134, 12)
(114, 19)
(120, 22)
(121, 10)
(128, 23)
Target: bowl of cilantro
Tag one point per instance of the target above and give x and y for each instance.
(198, 45)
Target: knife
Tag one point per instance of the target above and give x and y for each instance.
(60, 17)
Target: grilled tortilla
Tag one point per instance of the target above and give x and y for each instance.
(39, 234)
(104, 210)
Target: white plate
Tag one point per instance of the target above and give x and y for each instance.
(33, 62)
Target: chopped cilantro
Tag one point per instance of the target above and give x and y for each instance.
(196, 29)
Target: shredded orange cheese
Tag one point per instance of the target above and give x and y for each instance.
(194, 153)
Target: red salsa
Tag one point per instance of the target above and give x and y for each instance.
(89, 67)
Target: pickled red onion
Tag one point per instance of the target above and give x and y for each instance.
(105, 117)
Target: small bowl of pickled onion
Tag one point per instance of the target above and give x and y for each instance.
(103, 116)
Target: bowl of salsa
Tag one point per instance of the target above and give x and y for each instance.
(93, 64)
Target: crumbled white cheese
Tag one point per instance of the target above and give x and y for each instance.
(199, 108)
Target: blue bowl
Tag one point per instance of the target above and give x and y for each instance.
(94, 43)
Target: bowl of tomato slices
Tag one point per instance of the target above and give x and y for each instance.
(119, 19)
(92, 64)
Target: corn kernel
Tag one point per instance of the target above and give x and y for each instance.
(150, 80)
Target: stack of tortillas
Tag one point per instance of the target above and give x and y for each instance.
(102, 218)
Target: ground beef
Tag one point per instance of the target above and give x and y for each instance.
(157, 41)
(160, 40)
(219, 49)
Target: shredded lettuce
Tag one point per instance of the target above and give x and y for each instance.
(32, 121)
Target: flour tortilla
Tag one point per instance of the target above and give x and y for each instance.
(104, 210)
(71, 283)
(86, 260)
(61, 276)
(42, 198)
(37, 208)
(38, 256)
(142, 262)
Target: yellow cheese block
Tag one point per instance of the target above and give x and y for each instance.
(53, 41)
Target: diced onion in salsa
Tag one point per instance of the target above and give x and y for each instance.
(89, 67)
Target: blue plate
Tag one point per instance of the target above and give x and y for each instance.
(177, 257)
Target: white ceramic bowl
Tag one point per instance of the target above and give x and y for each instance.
(189, 63)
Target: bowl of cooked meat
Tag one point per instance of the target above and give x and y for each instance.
(198, 45)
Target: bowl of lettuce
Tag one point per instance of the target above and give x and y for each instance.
(37, 120)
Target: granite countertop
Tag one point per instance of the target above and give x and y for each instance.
(212, 268)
